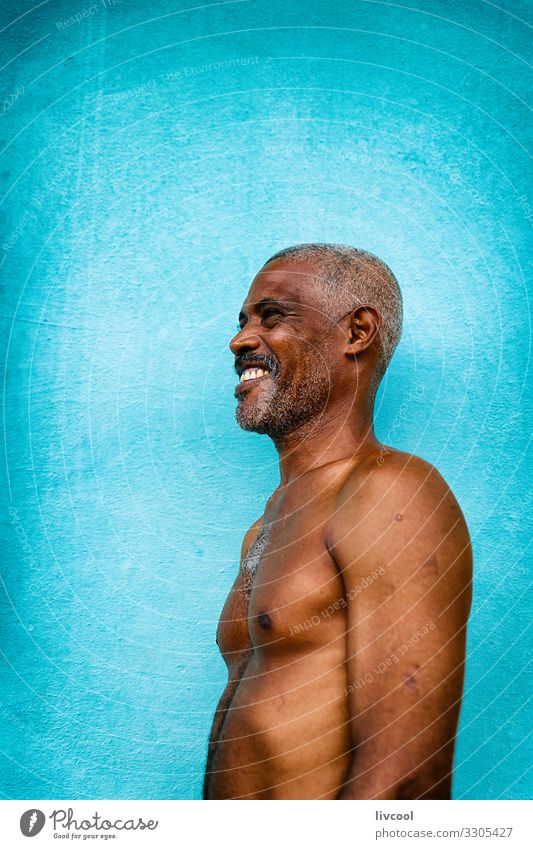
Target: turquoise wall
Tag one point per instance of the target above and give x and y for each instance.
(153, 156)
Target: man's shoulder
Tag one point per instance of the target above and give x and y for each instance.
(389, 487)
(400, 512)
(388, 473)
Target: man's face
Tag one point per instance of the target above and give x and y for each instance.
(284, 350)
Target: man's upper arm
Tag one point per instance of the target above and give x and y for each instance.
(401, 543)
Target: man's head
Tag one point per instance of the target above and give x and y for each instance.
(320, 321)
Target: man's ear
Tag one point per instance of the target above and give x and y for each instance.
(362, 329)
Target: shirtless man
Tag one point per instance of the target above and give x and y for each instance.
(344, 632)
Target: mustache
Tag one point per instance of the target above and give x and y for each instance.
(257, 360)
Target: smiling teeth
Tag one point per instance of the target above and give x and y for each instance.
(251, 374)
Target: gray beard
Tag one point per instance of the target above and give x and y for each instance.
(281, 410)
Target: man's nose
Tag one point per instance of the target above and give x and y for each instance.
(245, 339)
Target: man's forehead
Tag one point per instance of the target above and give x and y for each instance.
(289, 282)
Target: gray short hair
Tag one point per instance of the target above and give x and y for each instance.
(353, 277)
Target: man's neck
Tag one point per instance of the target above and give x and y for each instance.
(324, 441)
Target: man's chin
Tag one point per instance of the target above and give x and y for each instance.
(254, 408)
(248, 421)
(257, 421)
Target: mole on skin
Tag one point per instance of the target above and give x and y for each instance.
(410, 680)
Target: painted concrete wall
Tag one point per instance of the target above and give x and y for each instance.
(154, 154)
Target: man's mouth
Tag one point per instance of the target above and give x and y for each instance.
(250, 373)
(253, 374)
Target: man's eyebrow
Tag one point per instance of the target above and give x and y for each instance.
(264, 301)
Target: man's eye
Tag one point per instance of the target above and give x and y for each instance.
(270, 313)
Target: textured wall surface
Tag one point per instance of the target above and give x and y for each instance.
(153, 156)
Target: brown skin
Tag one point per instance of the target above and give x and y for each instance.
(346, 652)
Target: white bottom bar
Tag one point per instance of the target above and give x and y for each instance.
(260, 825)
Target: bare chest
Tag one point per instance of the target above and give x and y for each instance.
(289, 594)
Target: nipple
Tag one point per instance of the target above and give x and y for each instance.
(264, 621)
